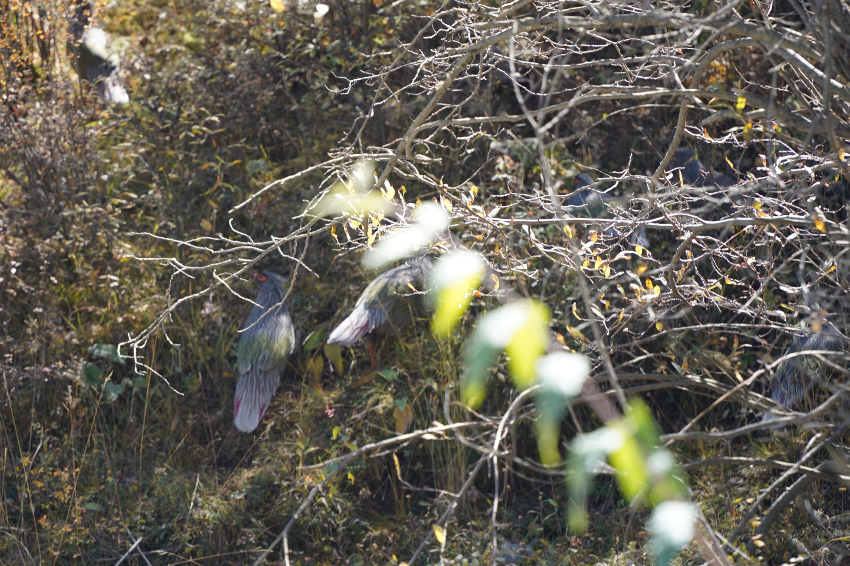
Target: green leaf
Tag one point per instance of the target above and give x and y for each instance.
(333, 352)
(92, 375)
(478, 357)
(314, 340)
(112, 390)
(388, 374)
(107, 351)
(587, 456)
(454, 278)
(521, 328)
(672, 527)
(91, 506)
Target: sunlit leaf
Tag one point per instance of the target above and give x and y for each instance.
(430, 221)
(453, 279)
(740, 103)
(439, 533)
(206, 225)
(563, 372)
(630, 463)
(672, 527)
(639, 250)
(278, 5)
(521, 329)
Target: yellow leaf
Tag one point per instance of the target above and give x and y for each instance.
(353, 223)
(642, 269)
(577, 334)
(568, 230)
(594, 236)
(740, 103)
(685, 364)
(370, 236)
(598, 263)
(649, 283)
(607, 271)
(402, 420)
(732, 167)
(656, 291)
(759, 543)
(397, 465)
(388, 191)
(351, 478)
(205, 224)
(818, 221)
(447, 204)
(440, 533)
(336, 431)
(639, 250)
(757, 205)
(842, 154)
(748, 127)
(619, 320)
(586, 263)
(658, 326)
(278, 5)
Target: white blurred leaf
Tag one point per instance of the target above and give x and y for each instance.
(454, 278)
(321, 10)
(563, 372)
(672, 527)
(430, 221)
(340, 201)
(602, 440)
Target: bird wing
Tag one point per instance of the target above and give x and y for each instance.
(383, 300)
(254, 392)
(266, 344)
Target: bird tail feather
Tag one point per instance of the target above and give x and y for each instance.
(111, 90)
(352, 329)
(254, 392)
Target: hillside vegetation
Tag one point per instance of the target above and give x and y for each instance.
(129, 234)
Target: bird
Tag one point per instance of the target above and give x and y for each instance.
(695, 173)
(797, 375)
(266, 343)
(585, 202)
(94, 61)
(383, 306)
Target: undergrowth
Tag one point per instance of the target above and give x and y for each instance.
(227, 97)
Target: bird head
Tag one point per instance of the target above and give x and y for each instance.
(269, 280)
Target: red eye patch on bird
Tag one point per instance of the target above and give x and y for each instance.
(260, 277)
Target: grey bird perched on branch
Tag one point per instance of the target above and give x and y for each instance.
(384, 305)
(695, 173)
(585, 202)
(94, 60)
(264, 347)
(797, 375)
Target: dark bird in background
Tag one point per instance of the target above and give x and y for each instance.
(695, 173)
(384, 306)
(585, 202)
(797, 375)
(95, 62)
(263, 350)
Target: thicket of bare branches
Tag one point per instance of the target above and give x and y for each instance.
(673, 284)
